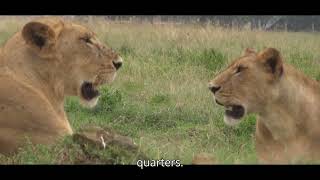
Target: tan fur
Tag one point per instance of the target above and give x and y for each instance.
(36, 79)
(285, 101)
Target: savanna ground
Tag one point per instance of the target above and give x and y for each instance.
(160, 97)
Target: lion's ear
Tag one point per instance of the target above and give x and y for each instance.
(272, 60)
(41, 37)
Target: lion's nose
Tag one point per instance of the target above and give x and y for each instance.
(214, 89)
(117, 63)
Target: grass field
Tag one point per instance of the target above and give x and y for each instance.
(160, 97)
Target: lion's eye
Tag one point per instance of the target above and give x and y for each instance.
(239, 69)
(86, 39)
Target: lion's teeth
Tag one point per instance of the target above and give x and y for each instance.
(229, 108)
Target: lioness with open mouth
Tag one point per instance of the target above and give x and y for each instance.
(287, 104)
(48, 60)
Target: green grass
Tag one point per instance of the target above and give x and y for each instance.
(160, 97)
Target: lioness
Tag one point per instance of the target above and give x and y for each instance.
(40, 65)
(285, 101)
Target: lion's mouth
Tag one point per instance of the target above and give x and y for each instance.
(234, 111)
(88, 91)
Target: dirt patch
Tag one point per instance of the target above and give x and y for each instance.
(100, 146)
(203, 159)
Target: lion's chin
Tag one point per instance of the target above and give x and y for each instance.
(230, 121)
(91, 103)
